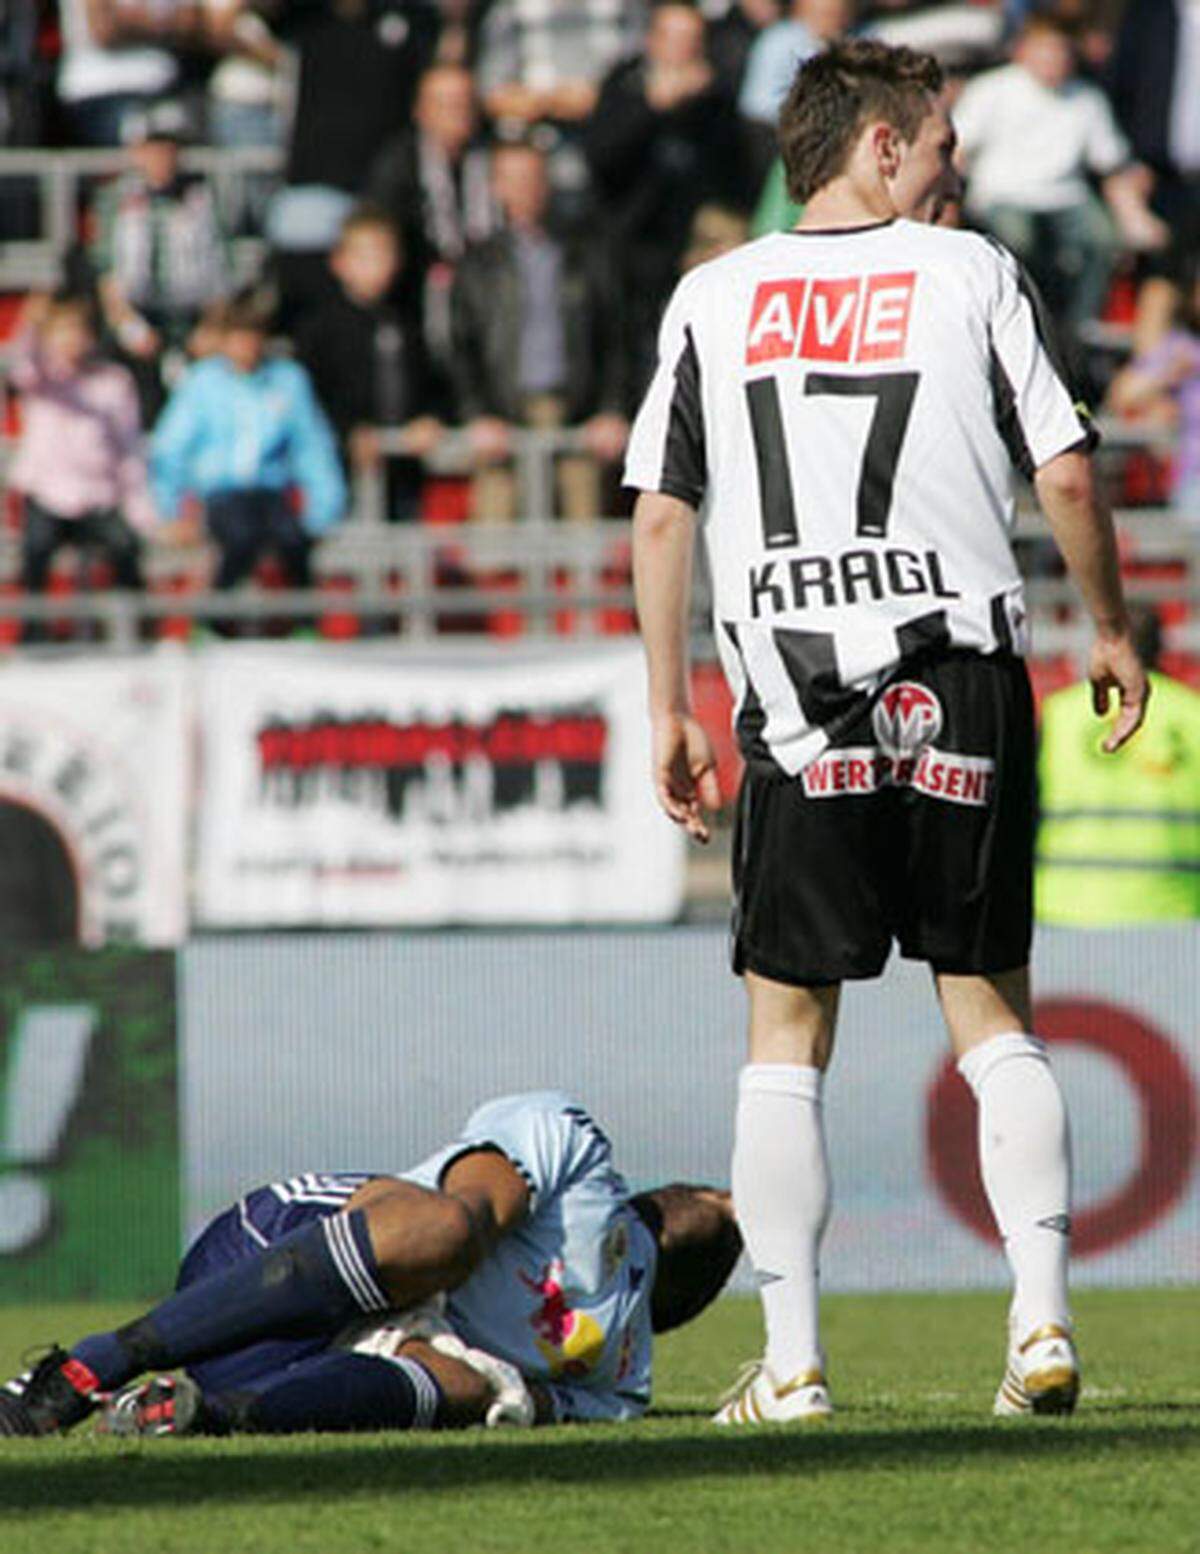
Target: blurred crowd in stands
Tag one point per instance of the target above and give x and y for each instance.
(479, 210)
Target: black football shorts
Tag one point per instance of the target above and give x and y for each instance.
(918, 827)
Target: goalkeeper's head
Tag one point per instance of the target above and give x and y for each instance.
(698, 1244)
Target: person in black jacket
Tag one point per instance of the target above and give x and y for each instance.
(538, 342)
(663, 141)
(1154, 83)
(433, 177)
(368, 362)
(357, 63)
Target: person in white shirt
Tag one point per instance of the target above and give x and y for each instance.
(1032, 134)
(118, 56)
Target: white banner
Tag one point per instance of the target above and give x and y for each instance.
(356, 788)
(364, 1052)
(93, 794)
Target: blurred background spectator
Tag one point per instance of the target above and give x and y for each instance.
(1031, 134)
(119, 56)
(772, 62)
(24, 76)
(1161, 387)
(963, 34)
(159, 252)
(461, 20)
(242, 433)
(1155, 88)
(540, 63)
(654, 118)
(434, 179)
(367, 361)
(538, 341)
(1119, 836)
(356, 66)
(79, 463)
(733, 27)
(663, 140)
(247, 92)
(20, 73)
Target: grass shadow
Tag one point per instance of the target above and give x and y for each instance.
(175, 1473)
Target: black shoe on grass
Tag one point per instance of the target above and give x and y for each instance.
(55, 1395)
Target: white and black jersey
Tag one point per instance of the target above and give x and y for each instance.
(846, 408)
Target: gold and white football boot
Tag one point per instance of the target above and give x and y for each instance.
(758, 1398)
(1042, 1374)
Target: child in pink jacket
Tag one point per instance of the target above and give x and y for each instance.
(79, 463)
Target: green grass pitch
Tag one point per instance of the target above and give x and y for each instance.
(913, 1460)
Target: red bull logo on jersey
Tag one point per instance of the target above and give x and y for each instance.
(907, 717)
(571, 1342)
(854, 318)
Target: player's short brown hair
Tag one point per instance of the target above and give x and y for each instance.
(836, 93)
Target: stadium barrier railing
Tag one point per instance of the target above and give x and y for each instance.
(541, 576)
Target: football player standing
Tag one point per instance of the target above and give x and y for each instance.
(845, 403)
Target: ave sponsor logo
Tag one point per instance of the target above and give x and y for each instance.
(856, 318)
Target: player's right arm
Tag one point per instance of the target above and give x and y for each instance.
(1083, 530)
(682, 760)
(667, 464)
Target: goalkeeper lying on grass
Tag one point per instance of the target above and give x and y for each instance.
(510, 1278)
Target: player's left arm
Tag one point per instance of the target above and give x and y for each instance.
(492, 1190)
(684, 766)
(1082, 526)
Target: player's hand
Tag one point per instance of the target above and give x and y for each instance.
(1114, 665)
(685, 772)
(513, 1403)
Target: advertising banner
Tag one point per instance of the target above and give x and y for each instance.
(343, 788)
(89, 1132)
(364, 1052)
(93, 791)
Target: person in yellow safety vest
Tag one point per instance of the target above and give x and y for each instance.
(1119, 835)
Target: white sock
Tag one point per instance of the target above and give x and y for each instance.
(1025, 1161)
(781, 1196)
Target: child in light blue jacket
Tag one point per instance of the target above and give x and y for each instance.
(243, 432)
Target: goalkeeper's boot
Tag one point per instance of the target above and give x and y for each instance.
(165, 1405)
(757, 1398)
(56, 1394)
(1042, 1375)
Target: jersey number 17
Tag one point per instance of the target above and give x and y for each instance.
(893, 393)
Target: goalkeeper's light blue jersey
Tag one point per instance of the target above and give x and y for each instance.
(565, 1297)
